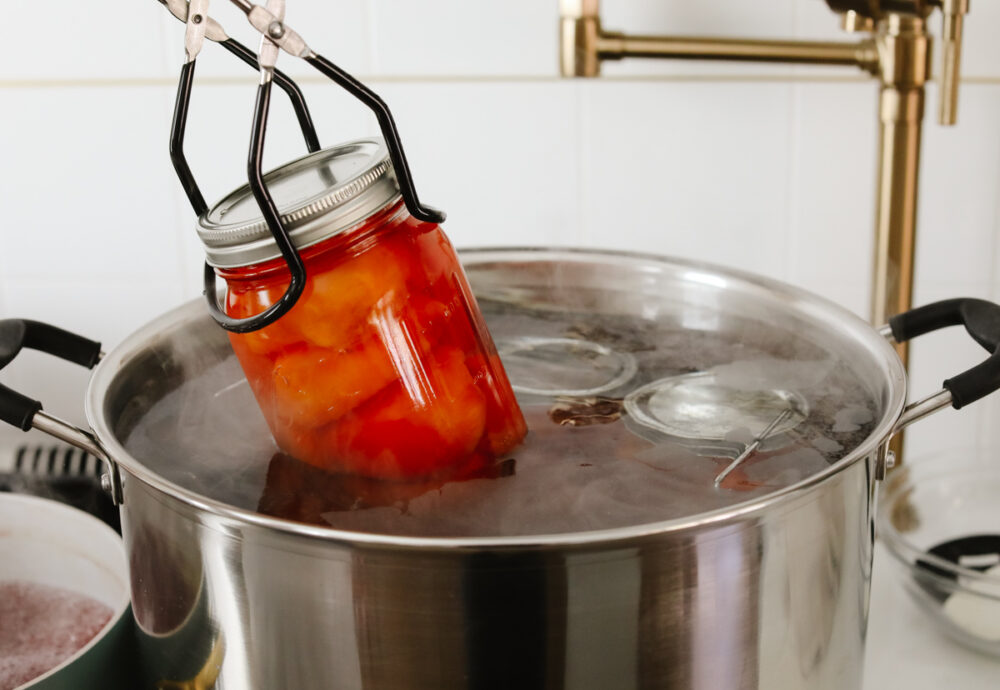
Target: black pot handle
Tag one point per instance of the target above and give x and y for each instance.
(16, 334)
(981, 319)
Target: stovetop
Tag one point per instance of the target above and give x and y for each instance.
(59, 472)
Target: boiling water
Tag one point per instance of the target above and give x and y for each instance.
(587, 463)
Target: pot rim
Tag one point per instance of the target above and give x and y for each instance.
(818, 307)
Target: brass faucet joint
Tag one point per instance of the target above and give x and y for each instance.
(904, 51)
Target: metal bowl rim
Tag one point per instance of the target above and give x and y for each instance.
(906, 553)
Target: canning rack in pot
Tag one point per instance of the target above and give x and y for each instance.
(275, 36)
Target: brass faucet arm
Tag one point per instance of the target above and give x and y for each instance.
(614, 46)
(584, 44)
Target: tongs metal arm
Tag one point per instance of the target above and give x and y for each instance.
(269, 209)
(199, 26)
(276, 33)
(213, 31)
(389, 132)
(269, 21)
(286, 84)
(183, 101)
(177, 130)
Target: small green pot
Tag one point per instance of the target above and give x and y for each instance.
(52, 544)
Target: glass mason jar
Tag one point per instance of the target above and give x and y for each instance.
(384, 368)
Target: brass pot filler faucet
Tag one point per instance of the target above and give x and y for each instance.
(896, 51)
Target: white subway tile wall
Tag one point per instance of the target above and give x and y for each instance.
(767, 168)
(648, 146)
(449, 37)
(831, 202)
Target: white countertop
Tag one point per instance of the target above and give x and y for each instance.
(906, 651)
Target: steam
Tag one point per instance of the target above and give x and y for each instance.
(208, 435)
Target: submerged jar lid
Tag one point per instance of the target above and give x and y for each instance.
(318, 196)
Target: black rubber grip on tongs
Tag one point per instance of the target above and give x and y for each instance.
(981, 319)
(390, 133)
(15, 335)
(288, 86)
(269, 209)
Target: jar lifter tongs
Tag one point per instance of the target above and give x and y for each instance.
(275, 36)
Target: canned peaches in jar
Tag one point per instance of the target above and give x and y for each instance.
(384, 367)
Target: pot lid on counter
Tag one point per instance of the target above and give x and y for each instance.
(642, 379)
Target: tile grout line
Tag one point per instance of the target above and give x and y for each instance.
(792, 185)
(3, 302)
(370, 14)
(179, 205)
(995, 267)
(987, 435)
(793, 188)
(179, 201)
(584, 159)
(25, 84)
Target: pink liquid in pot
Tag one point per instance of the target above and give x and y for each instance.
(41, 626)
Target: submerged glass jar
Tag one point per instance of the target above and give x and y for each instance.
(384, 367)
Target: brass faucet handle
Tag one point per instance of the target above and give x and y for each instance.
(952, 18)
(855, 22)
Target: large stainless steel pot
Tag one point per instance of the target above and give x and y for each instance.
(771, 593)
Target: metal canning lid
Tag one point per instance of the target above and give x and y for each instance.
(318, 196)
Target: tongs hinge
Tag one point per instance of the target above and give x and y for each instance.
(272, 27)
(196, 26)
(213, 30)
